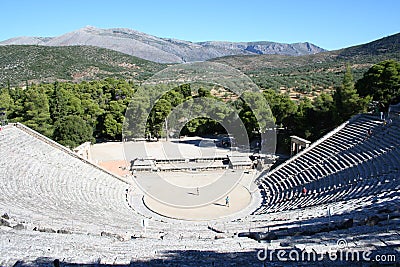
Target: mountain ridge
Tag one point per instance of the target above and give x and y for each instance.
(163, 50)
(317, 71)
(21, 64)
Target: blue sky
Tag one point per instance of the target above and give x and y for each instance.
(330, 24)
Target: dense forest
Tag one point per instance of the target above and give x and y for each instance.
(72, 113)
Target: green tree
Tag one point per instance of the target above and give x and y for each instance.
(157, 117)
(72, 131)
(63, 103)
(114, 117)
(382, 82)
(6, 101)
(281, 105)
(321, 116)
(185, 90)
(111, 127)
(58, 103)
(347, 100)
(203, 92)
(35, 111)
(175, 97)
(91, 110)
(323, 103)
(298, 123)
(136, 116)
(255, 113)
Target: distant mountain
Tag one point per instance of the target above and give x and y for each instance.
(32, 63)
(37, 63)
(163, 50)
(384, 48)
(318, 71)
(26, 40)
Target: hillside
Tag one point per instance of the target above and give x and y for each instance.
(300, 74)
(163, 50)
(304, 74)
(32, 63)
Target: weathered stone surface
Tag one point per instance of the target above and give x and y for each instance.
(44, 230)
(19, 226)
(4, 222)
(63, 231)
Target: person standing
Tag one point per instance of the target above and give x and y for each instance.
(304, 191)
(227, 201)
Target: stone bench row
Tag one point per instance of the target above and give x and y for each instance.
(366, 157)
(39, 181)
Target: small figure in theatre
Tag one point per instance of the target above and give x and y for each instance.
(304, 191)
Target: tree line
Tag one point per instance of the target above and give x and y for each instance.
(70, 113)
(73, 113)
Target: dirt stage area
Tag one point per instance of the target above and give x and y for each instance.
(174, 193)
